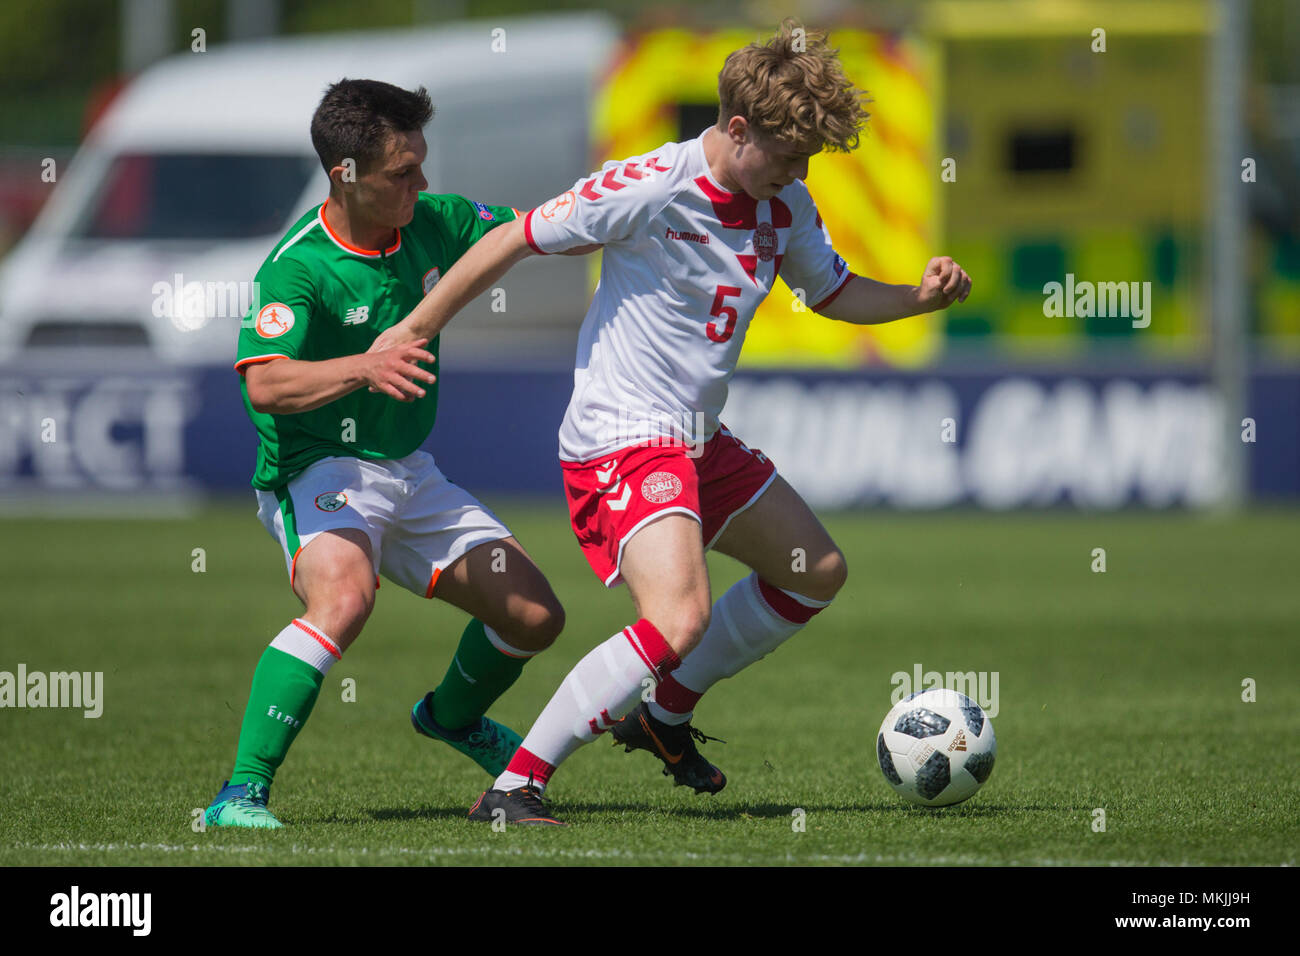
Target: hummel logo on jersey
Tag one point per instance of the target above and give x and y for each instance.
(702, 239)
(958, 742)
(604, 476)
(357, 316)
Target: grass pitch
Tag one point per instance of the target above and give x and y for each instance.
(1119, 691)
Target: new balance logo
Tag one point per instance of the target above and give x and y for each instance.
(357, 316)
(958, 742)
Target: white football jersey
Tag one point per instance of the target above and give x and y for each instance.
(686, 263)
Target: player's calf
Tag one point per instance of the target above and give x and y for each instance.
(601, 688)
(286, 683)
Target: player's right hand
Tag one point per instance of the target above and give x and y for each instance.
(393, 371)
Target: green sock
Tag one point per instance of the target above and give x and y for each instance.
(284, 691)
(478, 675)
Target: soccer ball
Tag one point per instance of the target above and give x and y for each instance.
(936, 747)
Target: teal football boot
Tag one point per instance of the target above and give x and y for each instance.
(242, 805)
(489, 744)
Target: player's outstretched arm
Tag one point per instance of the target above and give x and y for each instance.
(486, 261)
(287, 386)
(865, 301)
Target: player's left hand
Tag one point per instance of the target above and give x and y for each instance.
(943, 283)
(391, 338)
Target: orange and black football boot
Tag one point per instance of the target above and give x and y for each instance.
(520, 806)
(674, 744)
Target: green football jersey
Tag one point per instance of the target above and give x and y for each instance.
(320, 298)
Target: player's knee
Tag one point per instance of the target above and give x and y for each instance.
(684, 628)
(348, 609)
(537, 626)
(827, 576)
(544, 624)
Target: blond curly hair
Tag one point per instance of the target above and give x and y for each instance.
(793, 89)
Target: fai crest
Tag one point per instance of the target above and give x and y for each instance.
(331, 501)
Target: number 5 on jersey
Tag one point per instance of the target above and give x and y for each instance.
(719, 332)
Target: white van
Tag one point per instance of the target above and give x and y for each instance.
(200, 165)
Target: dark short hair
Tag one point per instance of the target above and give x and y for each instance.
(356, 118)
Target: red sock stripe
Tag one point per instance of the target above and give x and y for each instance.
(674, 698)
(784, 605)
(321, 639)
(525, 763)
(653, 649)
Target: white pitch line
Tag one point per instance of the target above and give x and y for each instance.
(590, 854)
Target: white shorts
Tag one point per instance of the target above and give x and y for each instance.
(417, 521)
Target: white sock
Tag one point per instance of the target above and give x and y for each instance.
(308, 643)
(600, 689)
(743, 628)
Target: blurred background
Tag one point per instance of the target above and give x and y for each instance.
(153, 151)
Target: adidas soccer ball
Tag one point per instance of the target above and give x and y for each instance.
(936, 748)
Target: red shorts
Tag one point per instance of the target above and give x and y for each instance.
(613, 497)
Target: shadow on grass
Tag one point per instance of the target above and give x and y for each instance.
(706, 811)
(784, 810)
